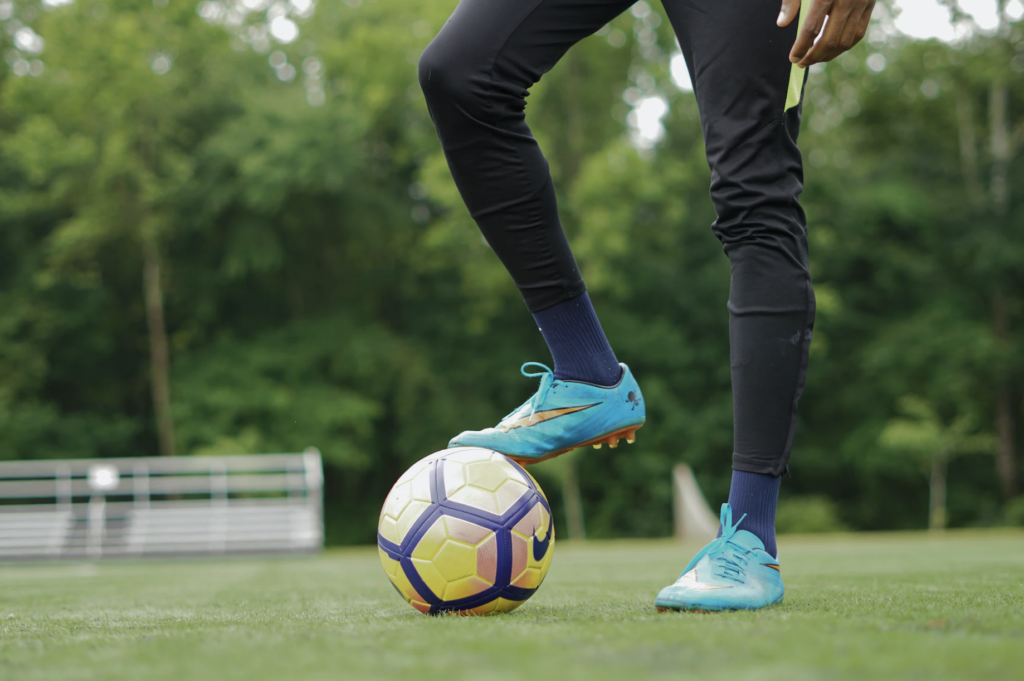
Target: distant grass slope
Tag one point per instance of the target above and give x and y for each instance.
(900, 606)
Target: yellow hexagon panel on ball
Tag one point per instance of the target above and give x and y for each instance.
(466, 530)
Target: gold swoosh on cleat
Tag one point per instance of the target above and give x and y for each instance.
(542, 416)
(772, 566)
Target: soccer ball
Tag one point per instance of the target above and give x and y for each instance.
(466, 530)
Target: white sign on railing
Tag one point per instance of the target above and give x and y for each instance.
(76, 509)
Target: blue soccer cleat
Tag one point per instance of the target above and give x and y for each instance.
(562, 416)
(733, 572)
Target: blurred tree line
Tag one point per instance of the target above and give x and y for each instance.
(228, 227)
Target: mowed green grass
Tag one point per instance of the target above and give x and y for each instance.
(900, 606)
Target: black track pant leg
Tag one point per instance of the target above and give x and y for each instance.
(476, 75)
(738, 61)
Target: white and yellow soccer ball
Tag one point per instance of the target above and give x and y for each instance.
(466, 530)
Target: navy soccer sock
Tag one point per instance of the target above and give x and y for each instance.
(577, 342)
(756, 495)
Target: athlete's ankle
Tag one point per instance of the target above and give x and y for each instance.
(577, 342)
(756, 496)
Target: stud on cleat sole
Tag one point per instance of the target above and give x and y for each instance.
(628, 433)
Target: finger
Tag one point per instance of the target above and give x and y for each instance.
(812, 27)
(849, 37)
(827, 45)
(858, 18)
(856, 25)
(836, 40)
(865, 21)
(790, 8)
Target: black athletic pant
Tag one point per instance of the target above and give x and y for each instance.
(476, 74)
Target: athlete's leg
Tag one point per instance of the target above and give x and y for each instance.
(742, 77)
(738, 61)
(476, 75)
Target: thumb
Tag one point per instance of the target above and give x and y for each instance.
(789, 12)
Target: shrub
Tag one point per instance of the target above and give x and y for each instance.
(808, 514)
(1014, 512)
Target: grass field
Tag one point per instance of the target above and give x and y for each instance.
(900, 606)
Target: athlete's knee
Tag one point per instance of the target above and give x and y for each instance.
(446, 76)
(430, 70)
(757, 179)
(764, 209)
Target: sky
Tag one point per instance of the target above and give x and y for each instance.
(929, 19)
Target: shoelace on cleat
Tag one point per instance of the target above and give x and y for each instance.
(730, 566)
(547, 379)
(726, 563)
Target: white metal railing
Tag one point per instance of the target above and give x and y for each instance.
(103, 508)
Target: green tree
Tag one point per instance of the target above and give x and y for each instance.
(104, 133)
(921, 433)
(991, 75)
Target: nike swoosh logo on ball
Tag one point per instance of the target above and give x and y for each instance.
(540, 548)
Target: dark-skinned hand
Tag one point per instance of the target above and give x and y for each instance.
(847, 23)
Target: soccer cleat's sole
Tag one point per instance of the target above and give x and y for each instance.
(707, 610)
(612, 439)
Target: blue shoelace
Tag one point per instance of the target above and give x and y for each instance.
(726, 562)
(547, 379)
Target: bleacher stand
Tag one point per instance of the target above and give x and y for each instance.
(161, 506)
